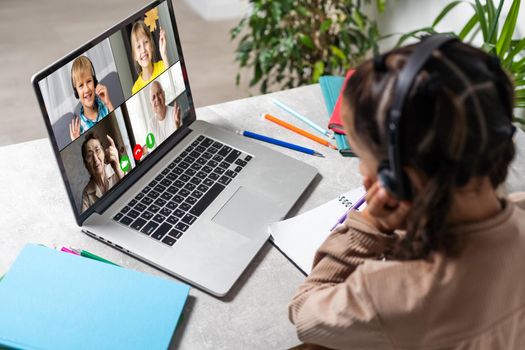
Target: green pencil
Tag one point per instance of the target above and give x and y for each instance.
(89, 255)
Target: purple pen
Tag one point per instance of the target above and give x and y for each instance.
(355, 206)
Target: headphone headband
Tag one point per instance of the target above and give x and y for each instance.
(391, 172)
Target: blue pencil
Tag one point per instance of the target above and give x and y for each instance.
(279, 143)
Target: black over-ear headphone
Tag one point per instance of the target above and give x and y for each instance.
(390, 172)
(95, 81)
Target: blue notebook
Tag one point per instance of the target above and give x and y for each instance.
(54, 300)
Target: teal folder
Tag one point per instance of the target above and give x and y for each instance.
(54, 300)
(331, 87)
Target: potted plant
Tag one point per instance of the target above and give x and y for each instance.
(288, 43)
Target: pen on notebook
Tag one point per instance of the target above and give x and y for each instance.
(355, 206)
(279, 143)
(92, 256)
(298, 130)
(301, 117)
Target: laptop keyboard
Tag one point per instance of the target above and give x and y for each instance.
(179, 194)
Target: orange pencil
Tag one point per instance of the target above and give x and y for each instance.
(299, 131)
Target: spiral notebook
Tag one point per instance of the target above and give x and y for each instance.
(299, 237)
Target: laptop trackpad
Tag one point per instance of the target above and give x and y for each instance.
(246, 212)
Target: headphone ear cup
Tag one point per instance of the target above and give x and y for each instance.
(391, 183)
(75, 92)
(95, 81)
(388, 182)
(387, 179)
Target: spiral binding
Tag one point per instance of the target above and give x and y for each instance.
(345, 201)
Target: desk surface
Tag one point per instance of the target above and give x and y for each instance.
(34, 208)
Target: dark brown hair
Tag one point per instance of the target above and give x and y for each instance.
(456, 126)
(90, 136)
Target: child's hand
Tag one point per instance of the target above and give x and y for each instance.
(162, 40)
(74, 128)
(383, 210)
(102, 92)
(163, 47)
(176, 116)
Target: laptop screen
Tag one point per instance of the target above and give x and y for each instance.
(112, 103)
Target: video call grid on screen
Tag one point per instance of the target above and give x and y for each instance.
(127, 126)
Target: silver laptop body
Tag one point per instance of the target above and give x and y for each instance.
(226, 236)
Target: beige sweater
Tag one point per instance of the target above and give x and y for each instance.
(354, 300)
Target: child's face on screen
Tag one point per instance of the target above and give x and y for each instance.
(85, 86)
(143, 49)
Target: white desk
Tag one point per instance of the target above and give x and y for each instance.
(34, 208)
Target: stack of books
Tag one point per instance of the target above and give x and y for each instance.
(332, 88)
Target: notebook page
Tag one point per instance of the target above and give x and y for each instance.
(299, 237)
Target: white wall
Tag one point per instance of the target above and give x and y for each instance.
(211, 10)
(402, 16)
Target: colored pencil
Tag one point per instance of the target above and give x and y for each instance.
(327, 133)
(279, 143)
(298, 131)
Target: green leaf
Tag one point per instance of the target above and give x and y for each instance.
(444, 12)
(489, 5)
(303, 11)
(237, 29)
(317, 71)
(276, 11)
(520, 94)
(495, 19)
(257, 74)
(358, 19)
(516, 48)
(338, 53)
(381, 4)
(508, 29)
(468, 27)
(264, 86)
(518, 66)
(413, 34)
(307, 41)
(480, 10)
(325, 25)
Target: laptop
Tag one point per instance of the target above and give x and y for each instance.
(143, 174)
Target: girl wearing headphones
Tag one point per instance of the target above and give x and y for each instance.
(436, 259)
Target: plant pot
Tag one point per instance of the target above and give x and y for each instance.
(516, 178)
